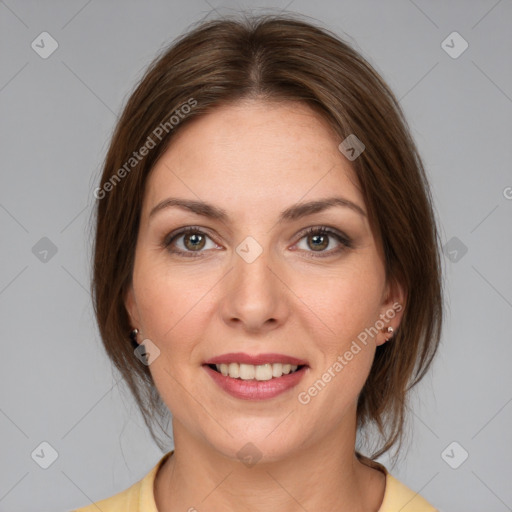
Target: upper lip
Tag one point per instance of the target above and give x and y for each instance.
(258, 359)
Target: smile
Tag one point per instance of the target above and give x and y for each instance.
(259, 372)
(254, 388)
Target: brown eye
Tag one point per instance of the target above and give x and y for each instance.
(318, 242)
(318, 239)
(194, 241)
(189, 242)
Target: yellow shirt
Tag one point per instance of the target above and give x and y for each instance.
(140, 498)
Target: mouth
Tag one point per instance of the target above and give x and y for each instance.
(255, 377)
(260, 372)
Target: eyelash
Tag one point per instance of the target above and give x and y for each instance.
(346, 242)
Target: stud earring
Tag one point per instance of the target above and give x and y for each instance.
(388, 330)
(133, 337)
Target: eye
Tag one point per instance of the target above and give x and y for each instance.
(318, 239)
(192, 241)
(188, 242)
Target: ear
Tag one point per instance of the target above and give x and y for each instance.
(131, 307)
(392, 310)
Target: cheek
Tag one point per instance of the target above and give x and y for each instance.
(166, 299)
(175, 308)
(335, 383)
(169, 308)
(345, 303)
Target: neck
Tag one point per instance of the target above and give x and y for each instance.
(316, 477)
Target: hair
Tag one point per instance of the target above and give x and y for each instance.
(277, 58)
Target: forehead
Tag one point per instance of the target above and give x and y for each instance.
(254, 152)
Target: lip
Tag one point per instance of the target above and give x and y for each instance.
(255, 389)
(241, 357)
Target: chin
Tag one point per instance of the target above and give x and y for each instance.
(255, 445)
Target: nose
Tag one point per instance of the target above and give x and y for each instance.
(256, 298)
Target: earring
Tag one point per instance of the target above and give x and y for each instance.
(390, 331)
(133, 337)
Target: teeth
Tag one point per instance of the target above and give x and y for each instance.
(263, 372)
(247, 371)
(234, 370)
(277, 370)
(259, 372)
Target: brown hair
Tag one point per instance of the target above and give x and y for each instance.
(278, 58)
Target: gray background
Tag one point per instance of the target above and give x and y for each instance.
(57, 115)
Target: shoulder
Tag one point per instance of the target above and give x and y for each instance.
(398, 497)
(138, 497)
(125, 501)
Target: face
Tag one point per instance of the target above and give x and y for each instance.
(260, 281)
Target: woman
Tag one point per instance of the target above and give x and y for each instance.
(266, 238)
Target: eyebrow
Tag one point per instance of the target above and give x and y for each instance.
(291, 213)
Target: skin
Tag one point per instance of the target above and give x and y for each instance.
(254, 159)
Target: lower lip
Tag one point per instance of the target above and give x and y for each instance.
(256, 389)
